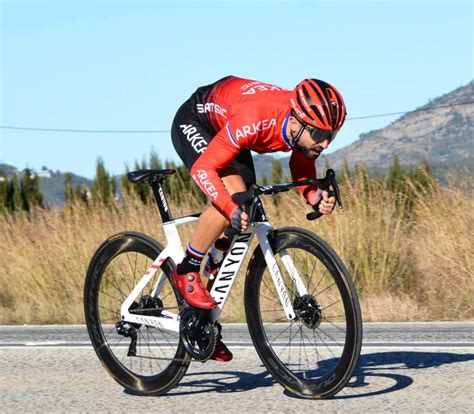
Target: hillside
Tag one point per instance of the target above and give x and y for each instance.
(51, 183)
(443, 136)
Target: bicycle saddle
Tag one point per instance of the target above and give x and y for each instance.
(141, 175)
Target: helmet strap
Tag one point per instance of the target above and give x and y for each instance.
(298, 136)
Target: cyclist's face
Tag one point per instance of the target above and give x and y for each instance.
(306, 143)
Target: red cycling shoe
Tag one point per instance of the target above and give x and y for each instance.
(193, 290)
(222, 353)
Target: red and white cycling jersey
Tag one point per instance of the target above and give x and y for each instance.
(249, 115)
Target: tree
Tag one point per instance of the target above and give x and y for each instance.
(29, 191)
(101, 189)
(3, 191)
(362, 178)
(395, 176)
(277, 172)
(68, 189)
(13, 194)
(277, 177)
(155, 162)
(126, 184)
(345, 172)
(25, 189)
(142, 189)
(113, 188)
(36, 196)
(422, 177)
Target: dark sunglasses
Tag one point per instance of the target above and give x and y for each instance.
(320, 135)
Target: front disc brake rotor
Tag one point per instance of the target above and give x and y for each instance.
(308, 310)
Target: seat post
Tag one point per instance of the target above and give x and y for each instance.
(161, 201)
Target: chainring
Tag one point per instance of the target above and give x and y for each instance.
(199, 345)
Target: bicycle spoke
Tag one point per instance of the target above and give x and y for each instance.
(326, 288)
(272, 310)
(168, 294)
(272, 292)
(281, 333)
(312, 273)
(132, 268)
(329, 336)
(290, 338)
(333, 317)
(333, 324)
(114, 312)
(124, 296)
(110, 296)
(156, 342)
(316, 349)
(320, 280)
(332, 304)
(124, 277)
(147, 329)
(307, 360)
(113, 329)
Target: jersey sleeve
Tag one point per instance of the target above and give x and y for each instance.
(222, 149)
(302, 168)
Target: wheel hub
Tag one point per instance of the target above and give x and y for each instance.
(308, 310)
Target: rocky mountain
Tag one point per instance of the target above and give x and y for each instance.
(440, 136)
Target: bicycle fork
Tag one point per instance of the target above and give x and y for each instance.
(262, 230)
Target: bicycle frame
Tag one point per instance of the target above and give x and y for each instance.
(225, 278)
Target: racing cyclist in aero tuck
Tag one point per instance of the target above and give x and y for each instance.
(214, 131)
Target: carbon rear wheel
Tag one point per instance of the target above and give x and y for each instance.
(315, 354)
(144, 359)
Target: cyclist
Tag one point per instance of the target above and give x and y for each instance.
(214, 131)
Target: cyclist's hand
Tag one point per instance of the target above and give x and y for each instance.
(239, 219)
(327, 204)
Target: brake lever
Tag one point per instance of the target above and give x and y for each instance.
(245, 200)
(329, 184)
(337, 193)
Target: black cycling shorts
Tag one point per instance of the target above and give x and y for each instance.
(191, 133)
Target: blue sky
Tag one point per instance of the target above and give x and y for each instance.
(128, 65)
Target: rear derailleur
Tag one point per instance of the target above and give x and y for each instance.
(148, 306)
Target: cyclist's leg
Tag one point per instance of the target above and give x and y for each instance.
(236, 178)
(213, 222)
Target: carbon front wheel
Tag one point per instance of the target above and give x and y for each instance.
(146, 360)
(315, 354)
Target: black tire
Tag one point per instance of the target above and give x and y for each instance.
(114, 270)
(325, 355)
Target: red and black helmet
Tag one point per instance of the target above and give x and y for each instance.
(318, 104)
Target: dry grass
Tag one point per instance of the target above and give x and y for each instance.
(406, 268)
(443, 252)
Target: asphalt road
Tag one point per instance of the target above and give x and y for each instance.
(420, 367)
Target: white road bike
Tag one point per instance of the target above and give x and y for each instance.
(301, 305)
